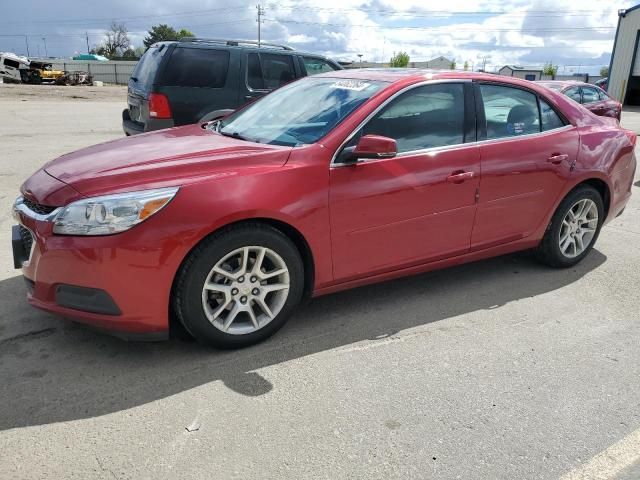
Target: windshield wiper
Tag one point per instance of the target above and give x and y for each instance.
(234, 135)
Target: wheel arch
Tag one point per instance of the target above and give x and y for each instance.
(603, 189)
(291, 232)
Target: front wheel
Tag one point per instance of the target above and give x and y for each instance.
(574, 228)
(239, 286)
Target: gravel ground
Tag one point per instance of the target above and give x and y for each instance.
(55, 93)
(501, 369)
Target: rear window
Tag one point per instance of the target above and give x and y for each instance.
(146, 68)
(196, 67)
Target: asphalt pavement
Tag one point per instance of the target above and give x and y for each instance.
(500, 369)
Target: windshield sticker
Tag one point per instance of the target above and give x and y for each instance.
(356, 85)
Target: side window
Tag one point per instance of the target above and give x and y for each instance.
(276, 69)
(424, 117)
(316, 65)
(11, 63)
(574, 94)
(196, 67)
(589, 95)
(509, 112)
(602, 96)
(254, 72)
(550, 118)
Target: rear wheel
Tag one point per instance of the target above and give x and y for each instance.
(574, 228)
(239, 286)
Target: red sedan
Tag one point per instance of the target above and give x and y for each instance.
(328, 183)
(593, 98)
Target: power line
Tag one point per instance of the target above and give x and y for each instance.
(488, 30)
(446, 13)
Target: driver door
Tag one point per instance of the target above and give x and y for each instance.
(392, 213)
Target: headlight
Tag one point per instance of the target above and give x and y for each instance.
(111, 213)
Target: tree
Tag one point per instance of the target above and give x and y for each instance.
(550, 70)
(604, 72)
(164, 33)
(399, 60)
(466, 66)
(452, 66)
(116, 41)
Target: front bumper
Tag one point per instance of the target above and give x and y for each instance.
(119, 283)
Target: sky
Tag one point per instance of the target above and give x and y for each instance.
(577, 35)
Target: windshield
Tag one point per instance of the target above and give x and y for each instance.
(299, 113)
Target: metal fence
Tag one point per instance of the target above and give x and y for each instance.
(117, 72)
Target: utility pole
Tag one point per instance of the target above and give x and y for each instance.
(26, 40)
(260, 9)
(46, 54)
(86, 34)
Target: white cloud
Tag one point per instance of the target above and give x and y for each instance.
(527, 32)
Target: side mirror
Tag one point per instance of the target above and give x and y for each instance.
(371, 146)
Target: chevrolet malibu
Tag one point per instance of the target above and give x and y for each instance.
(328, 183)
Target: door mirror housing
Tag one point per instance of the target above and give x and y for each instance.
(370, 146)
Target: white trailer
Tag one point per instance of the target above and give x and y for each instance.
(10, 66)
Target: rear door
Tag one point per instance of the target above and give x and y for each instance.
(199, 79)
(264, 72)
(526, 157)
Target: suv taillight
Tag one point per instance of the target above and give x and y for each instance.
(159, 106)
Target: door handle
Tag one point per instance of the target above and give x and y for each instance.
(557, 158)
(459, 177)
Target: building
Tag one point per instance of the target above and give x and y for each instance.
(526, 73)
(439, 63)
(624, 69)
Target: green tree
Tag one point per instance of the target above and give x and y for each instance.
(164, 33)
(604, 72)
(452, 66)
(466, 66)
(399, 60)
(550, 69)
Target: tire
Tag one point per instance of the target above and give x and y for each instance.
(204, 312)
(550, 251)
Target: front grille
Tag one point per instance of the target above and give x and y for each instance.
(27, 239)
(37, 208)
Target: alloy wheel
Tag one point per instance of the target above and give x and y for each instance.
(578, 228)
(245, 290)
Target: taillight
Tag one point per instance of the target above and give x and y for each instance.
(633, 138)
(159, 106)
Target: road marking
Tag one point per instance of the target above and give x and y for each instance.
(610, 462)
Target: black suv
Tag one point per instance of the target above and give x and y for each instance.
(198, 80)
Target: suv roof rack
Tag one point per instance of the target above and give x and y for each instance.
(233, 43)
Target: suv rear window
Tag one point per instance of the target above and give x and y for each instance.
(267, 71)
(147, 67)
(196, 67)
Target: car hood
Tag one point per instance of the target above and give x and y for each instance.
(166, 157)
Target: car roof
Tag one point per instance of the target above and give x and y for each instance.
(413, 75)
